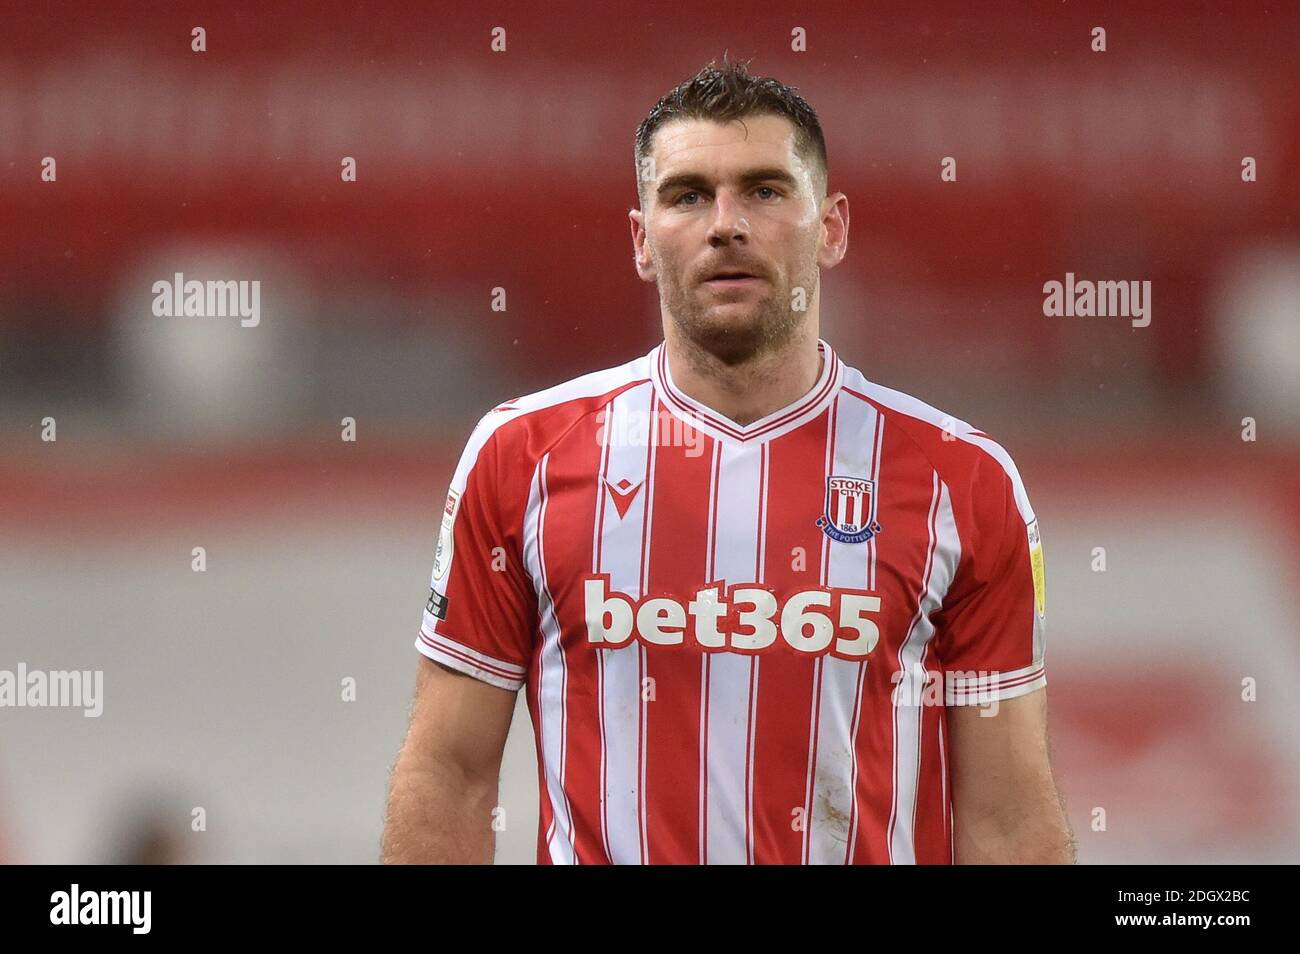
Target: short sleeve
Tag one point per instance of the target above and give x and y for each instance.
(481, 615)
(989, 631)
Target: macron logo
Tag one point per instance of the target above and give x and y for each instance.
(623, 494)
(102, 907)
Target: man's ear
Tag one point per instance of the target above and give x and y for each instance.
(835, 225)
(645, 266)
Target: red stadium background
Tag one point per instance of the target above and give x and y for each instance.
(480, 170)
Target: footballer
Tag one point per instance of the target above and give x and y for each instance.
(764, 610)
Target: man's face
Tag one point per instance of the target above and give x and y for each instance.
(732, 230)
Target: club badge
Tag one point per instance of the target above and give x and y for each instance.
(850, 513)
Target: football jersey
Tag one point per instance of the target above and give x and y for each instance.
(738, 642)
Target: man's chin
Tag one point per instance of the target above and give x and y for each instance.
(731, 333)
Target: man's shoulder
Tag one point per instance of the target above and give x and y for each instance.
(965, 457)
(590, 389)
(526, 425)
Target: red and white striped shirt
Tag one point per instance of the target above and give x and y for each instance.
(738, 642)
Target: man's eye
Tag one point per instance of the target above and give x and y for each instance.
(766, 189)
(681, 200)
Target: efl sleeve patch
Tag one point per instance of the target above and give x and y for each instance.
(1036, 563)
(442, 556)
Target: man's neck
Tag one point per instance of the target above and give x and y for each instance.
(753, 389)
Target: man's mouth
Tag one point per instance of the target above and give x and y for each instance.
(731, 278)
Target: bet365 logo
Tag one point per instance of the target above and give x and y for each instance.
(742, 618)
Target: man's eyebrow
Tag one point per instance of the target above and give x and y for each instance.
(694, 180)
(771, 174)
(681, 180)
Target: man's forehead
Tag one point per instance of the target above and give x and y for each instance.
(766, 139)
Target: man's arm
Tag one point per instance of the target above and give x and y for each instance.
(444, 784)
(1006, 807)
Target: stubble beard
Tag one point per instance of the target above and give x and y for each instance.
(768, 326)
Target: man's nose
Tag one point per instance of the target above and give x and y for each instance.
(729, 223)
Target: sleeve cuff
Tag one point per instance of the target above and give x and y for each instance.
(458, 656)
(982, 688)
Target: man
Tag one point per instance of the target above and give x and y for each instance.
(766, 610)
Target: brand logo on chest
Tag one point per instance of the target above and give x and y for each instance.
(740, 618)
(622, 493)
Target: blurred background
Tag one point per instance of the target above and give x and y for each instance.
(227, 690)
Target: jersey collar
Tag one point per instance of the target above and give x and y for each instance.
(779, 422)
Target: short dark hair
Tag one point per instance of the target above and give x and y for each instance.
(726, 91)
